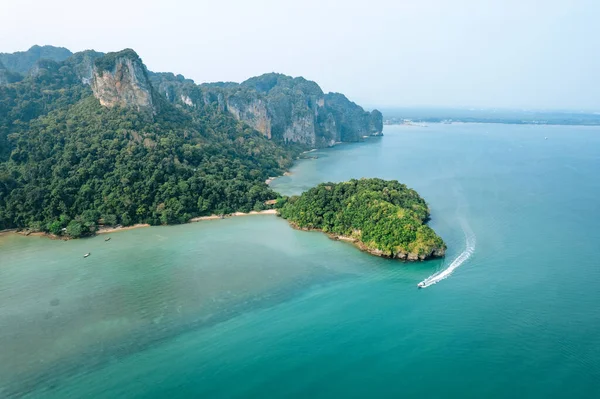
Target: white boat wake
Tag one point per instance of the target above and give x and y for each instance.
(460, 259)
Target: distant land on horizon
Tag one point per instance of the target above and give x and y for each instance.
(401, 115)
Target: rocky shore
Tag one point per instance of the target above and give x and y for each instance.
(404, 256)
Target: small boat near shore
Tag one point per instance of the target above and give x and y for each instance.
(107, 239)
(86, 255)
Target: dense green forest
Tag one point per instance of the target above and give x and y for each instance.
(67, 163)
(386, 217)
(91, 138)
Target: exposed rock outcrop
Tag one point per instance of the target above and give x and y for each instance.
(121, 79)
(376, 123)
(438, 252)
(83, 64)
(283, 108)
(251, 110)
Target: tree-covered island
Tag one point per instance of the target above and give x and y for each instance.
(384, 218)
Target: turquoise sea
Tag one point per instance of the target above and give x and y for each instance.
(249, 308)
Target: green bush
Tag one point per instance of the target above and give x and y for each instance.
(75, 229)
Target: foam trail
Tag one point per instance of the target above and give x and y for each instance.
(460, 259)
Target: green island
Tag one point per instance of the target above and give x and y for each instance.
(384, 218)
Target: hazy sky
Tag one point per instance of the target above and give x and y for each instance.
(475, 53)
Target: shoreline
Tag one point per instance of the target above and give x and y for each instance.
(235, 214)
(403, 257)
(29, 233)
(108, 230)
(270, 180)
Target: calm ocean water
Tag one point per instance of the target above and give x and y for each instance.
(250, 308)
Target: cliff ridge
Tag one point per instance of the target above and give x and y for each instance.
(281, 107)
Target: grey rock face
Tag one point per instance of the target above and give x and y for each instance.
(286, 109)
(122, 80)
(249, 107)
(83, 65)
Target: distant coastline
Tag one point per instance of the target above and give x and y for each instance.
(417, 116)
(422, 123)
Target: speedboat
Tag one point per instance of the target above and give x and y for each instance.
(86, 255)
(421, 285)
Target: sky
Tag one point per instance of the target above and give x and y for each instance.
(443, 53)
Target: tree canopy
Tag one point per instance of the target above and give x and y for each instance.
(67, 163)
(387, 217)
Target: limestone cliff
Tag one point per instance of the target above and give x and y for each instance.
(283, 108)
(376, 123)
(83, 64)
(294, 108)
(121, 79)
(298, 111)
(252, 109)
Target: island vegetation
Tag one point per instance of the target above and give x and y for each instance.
(84, 165)
(385, 218)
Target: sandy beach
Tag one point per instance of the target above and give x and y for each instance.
(270, 179)
(212, 217)
(105, 230)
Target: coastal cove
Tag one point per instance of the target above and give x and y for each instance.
(249, 307)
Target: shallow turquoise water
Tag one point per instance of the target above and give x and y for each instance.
(247, 307)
